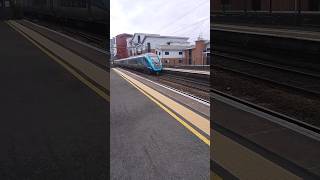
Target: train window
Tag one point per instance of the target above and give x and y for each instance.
(136, 60)
(145, 61)
(140, 60)
(166, 53)
(155, 59)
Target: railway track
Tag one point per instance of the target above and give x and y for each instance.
(94, 39)
(281, 116)
(199, 88)
(89, 37)
(284, 77)
(193, 83)
(268, 65)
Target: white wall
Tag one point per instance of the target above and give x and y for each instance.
(172, 53)
(208, 46)
(156, 41)
(129, 49)
(135, 38)
(113, 49)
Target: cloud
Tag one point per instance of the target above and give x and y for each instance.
(166, 17)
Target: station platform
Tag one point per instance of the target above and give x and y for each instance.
(90, 53)
(53, 125)
(188, 71)
(252, 144)
(150, 132)
(268, 31)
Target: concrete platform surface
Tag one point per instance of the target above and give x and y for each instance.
(147, 142)
(52, 125)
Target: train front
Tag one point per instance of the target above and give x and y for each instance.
(156, 64)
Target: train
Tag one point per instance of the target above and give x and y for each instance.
(149, 63)
(84, 11)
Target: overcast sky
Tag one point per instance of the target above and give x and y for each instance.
(187, 18)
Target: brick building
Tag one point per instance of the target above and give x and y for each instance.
(198, 54)
(172, 50)
(121, 45)
(265, 5)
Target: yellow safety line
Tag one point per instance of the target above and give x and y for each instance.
(195, 132)
(197, 120)
(73, 72)
(214, 176)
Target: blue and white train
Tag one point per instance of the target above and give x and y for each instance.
(149, 63)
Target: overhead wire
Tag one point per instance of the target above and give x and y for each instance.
(161, 29)
(190, 25)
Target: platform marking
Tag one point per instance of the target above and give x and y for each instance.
(66, 36)
(188, 71)
(214, 176)
(245, 163)
(73, 72)
(204, 102)
(92, 71)
(156, 96)
(263, 33)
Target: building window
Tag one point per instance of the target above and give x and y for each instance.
(180, 60)
(180, 53)
(139, 39)
(166, 53)
(159, 53)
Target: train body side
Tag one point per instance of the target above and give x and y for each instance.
(148, 63)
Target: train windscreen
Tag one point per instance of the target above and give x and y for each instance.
(155, 59)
